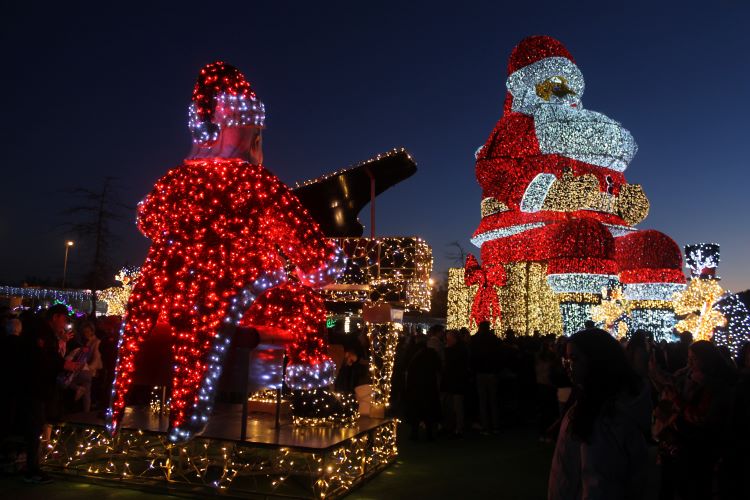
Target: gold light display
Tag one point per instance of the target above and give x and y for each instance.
(396, 270)
(383, 339)
(460, 298)
(612, 313)
(570, 193)
(491, 206)
(632, 204)
(117, 297)
(210, 466)
(696, 304)
(527, 302)
(324, 408)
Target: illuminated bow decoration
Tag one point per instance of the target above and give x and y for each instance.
(486, 304)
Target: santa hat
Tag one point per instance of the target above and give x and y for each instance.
(533, 61)
(222, 97)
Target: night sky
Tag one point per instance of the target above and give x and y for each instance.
(103, 90)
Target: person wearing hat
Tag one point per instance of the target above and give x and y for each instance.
(554, 192)
(224, 231)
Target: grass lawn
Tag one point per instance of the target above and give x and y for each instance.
(511, 465)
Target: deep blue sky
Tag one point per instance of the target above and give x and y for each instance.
(103, 90)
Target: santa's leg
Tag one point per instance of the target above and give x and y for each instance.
(300, 312)
(311, 372)
(141, 316)
(309, 366)
(650, 266)
(580, 267)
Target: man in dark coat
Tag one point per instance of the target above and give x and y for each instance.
(485, 361)
(455, 381)
(46, 349)
(423, 390)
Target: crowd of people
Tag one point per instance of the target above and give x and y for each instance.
(627, 416)
(451, 382)
(52, 364)
(619, 412)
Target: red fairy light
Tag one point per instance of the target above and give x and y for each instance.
(554, 172)
(216, 228)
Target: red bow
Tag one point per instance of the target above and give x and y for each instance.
(486, 305)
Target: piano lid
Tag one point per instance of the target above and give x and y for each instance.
(335, 200)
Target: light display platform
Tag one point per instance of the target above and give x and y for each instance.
(289, 462)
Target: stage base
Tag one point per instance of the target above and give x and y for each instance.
(285, 463)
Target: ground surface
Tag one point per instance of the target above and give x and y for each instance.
(511, 465)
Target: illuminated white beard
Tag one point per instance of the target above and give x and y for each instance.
(583, 135)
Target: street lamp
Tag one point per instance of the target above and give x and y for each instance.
(68, 244)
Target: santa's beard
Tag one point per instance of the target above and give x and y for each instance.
(583, 135)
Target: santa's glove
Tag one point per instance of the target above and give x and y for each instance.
(632, 204)
(571, 193)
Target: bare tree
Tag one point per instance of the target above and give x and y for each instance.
(97, 210)
(457, 254)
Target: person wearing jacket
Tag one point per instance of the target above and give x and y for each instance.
(485, 361)
(601, 450)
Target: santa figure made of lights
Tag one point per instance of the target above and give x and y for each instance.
(224, 232)
(558, 216)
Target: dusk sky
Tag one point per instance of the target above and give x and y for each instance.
(103, 90)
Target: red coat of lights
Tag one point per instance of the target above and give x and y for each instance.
(222, 232)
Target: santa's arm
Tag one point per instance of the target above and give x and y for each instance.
(156, 209)
(536, 192)
(318, 260)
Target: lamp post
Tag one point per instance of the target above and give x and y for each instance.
(68, 244)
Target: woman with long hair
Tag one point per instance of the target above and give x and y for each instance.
(701, 428)
(601, 449)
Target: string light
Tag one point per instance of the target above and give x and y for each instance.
(299, 311)
(265, 396)
(571, 193)
(222, 98)
(216, 227)
(218, 466)
(580, 282)
(736, 332)
(223, 231)
(554, 198)
(383, 339)
(380, 156)
(116, 297)
(659, 321)
(612, 313)
(702, 259)
(583, 135)
(68, 296)
(491, 206)
(619, 314)
(527, 303)
(536, 192)
(460, 299)
(396, 270)
(320, 407)
(486, 304)
(696, 304)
